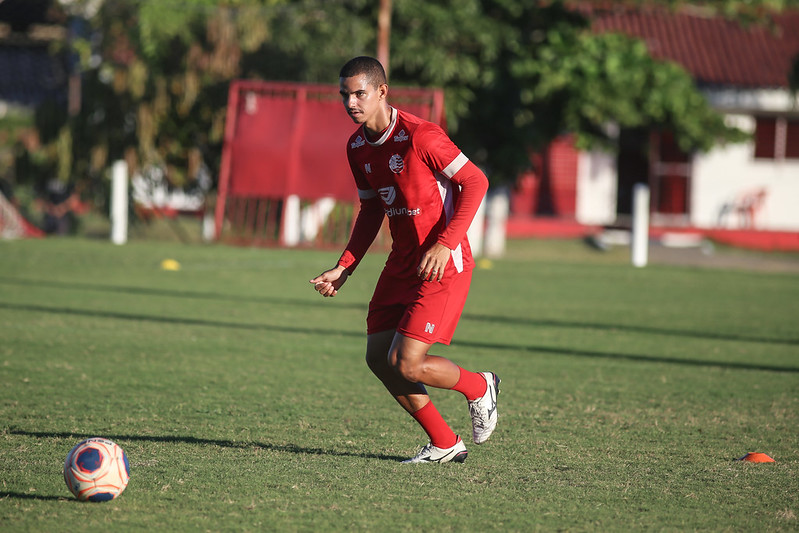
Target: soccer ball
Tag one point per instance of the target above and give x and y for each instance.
(96, 470)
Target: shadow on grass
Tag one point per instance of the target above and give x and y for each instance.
(625, 328)
(314, 301)
(174, 293)
(360, 335)
(630, 357)
(31, 496)
(287, 448)
(180, 320)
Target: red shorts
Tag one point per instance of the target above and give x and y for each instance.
(427, 311)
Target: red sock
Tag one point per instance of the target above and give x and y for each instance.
(471, 384)
(434, 425)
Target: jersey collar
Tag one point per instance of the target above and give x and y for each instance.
(386, 134)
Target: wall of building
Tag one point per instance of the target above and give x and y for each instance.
(731, 189)
(596, 188)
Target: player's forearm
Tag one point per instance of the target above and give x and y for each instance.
(474, 185)
(367, 225)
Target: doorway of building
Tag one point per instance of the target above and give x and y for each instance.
(654, 158)
(632, 164)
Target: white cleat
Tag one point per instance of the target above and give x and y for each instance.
(434, 454)
(484, 410)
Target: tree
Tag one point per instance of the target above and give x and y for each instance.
(516, 73)
(520, 73)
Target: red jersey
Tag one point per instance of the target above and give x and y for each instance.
(413, 175)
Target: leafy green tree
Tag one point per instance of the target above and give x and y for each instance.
(156, 81)
(516, 73)
(525, 72)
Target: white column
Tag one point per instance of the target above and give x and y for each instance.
(291, 221)
(640, 241)
(119, 202)
(498, 206)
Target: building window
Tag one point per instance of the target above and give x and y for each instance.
(776, 138)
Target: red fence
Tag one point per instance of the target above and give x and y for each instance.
(287, 140)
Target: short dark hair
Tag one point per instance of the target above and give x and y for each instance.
(369, 66)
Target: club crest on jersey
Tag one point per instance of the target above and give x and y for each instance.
(396, 164)
(388, 194)
(359, 141)
(401, 137)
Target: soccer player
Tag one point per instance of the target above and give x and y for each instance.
(407, 169)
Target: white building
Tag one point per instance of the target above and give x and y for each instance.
(749, 187)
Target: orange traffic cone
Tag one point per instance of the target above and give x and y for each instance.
(757, 457)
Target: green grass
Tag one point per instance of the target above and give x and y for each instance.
(244, 404)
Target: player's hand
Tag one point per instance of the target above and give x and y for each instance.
(329, 282)
(433, 263)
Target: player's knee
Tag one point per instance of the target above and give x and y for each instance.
(408, 369)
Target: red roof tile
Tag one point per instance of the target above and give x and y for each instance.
(714, 50)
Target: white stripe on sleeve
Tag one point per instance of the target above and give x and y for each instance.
(455, 166)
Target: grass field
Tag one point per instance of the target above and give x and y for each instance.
(244, 404)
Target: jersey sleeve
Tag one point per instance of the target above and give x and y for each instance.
(438, 151)
(473, 184)
(434, 147)
(367, 223)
